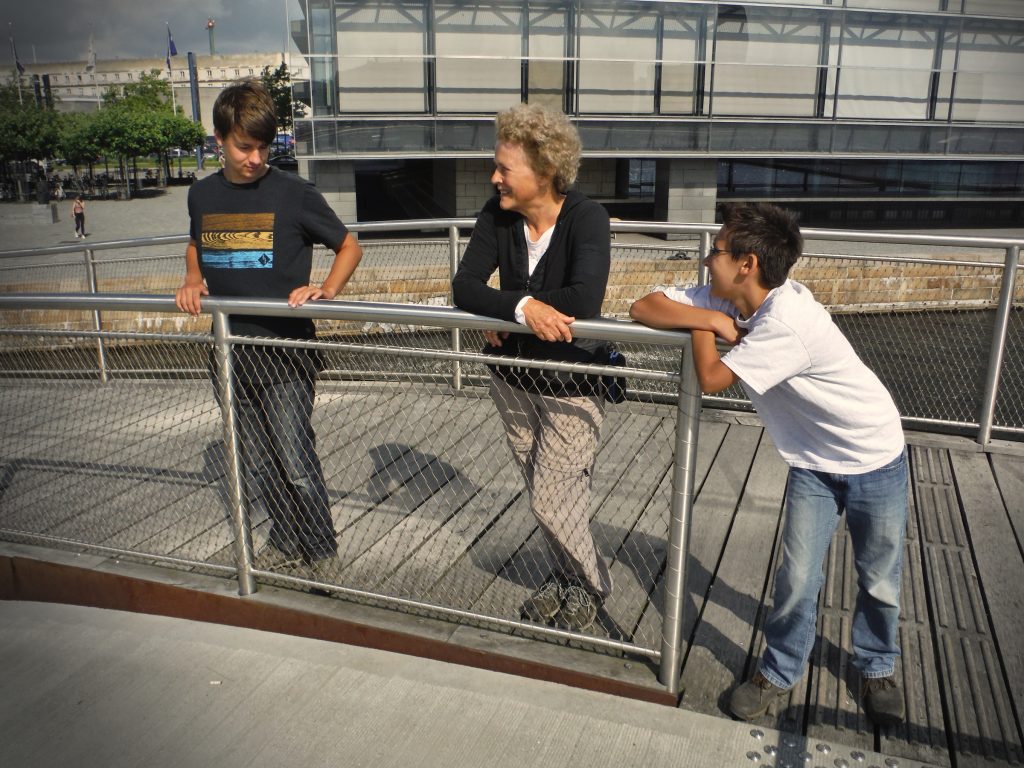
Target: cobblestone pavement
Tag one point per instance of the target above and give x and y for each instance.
(163, 213)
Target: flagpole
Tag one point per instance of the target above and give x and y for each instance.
(90, 67)
(17, 64)
(170, 70)
(174, 103)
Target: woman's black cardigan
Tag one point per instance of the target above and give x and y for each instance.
(571, 277)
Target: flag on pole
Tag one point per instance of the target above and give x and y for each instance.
(171, 50)
(17, 61)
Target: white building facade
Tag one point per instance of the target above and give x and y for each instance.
(76, 88)
(852, 111)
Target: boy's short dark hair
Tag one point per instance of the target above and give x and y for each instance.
(768, 231)
(247, 106)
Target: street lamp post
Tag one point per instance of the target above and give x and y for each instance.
(210, 24)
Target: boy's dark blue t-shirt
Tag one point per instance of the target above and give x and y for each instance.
(256, 240)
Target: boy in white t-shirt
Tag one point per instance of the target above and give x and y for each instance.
(835, 425)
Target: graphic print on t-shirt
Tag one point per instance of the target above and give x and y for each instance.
(238, 240)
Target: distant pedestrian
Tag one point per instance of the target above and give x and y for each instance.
(78, 209)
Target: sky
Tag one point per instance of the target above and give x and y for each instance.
(58, 30)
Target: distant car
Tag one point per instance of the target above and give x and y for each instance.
(285, 163)
(176, 152)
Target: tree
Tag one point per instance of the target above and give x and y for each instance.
(27, 132)
(78, 140)
(279, 83)
(150, 92)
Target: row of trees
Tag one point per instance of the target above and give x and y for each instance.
(136, 120)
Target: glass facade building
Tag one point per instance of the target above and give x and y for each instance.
(773, 91)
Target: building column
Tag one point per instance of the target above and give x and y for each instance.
(336, 180)
(685, 191)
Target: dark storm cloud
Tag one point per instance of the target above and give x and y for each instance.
(58, 30)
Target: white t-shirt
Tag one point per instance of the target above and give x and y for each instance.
(534, 252)
(824, 409)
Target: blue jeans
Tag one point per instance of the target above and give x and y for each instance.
(876, 513)
(280, 466)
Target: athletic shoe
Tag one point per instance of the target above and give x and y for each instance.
(543, 604)
(755, 697)
(883, 700)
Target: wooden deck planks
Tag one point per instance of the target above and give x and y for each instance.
(713, 510)
(433, 509)
(1009, 476)
(1001, 570)
(720, 654)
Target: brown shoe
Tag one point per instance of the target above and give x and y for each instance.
(753, 698)
(883, 700)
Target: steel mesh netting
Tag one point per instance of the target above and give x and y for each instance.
(429, 503)
(133, 464)
(399, 271)
(1010, 398)
(638, 268)
(924, 329)
(153, 269)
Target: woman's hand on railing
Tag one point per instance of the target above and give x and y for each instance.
(547, 322)
(494, 338)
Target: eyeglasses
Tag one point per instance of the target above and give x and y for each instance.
(712, 251)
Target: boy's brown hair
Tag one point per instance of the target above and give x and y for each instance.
(768, 231)
(245, 105)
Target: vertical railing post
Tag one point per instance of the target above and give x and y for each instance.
(998, 348)
(683, 474)
(453, 266)
(97, 320)
(702, 269)
(239, 513)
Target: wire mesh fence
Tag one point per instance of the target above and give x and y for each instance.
(910, 308)
(404, 489)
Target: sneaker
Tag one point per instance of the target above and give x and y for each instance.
(579, 609)
(273, 559)
(543, 604)
(883, 700)
(755, 697)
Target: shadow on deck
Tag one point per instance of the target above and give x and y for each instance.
(429, 508)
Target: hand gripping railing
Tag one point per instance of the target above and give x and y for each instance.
(686, 428)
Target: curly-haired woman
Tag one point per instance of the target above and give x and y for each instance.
(551, 247)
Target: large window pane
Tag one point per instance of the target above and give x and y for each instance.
(322, 87)
(617, 48)
(681, 55)
(381, 62)
(886, 67)
(547, 42)
(991, 67)
(766, 62)
(479, 52)
(994, 8)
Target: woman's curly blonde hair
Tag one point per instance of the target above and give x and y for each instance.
(549, 141)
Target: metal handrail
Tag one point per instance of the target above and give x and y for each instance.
(639, 227)
(453, 226)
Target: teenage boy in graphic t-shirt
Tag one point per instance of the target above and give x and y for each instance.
(835, 425)
(252, 233)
